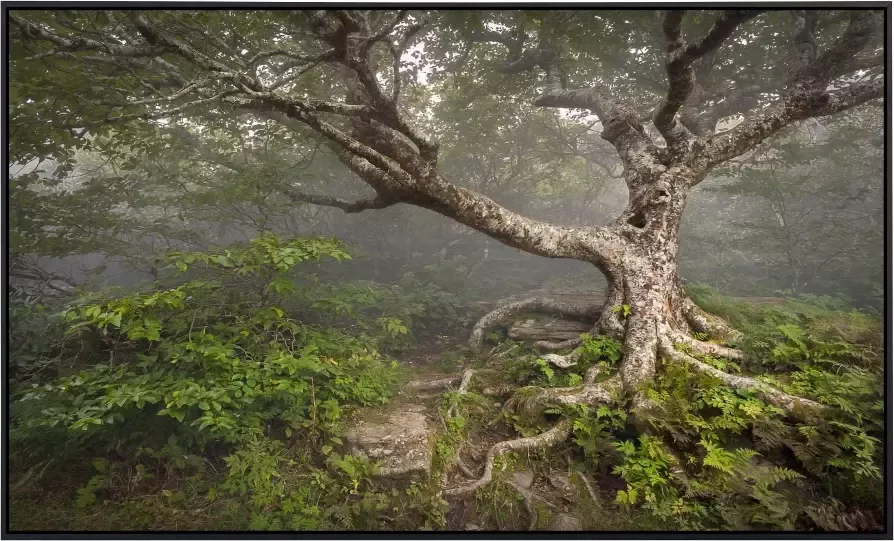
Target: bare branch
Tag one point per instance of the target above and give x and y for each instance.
(154, 35)
(797, 106)
(220, 97)
(192, 87)
(62, 44)
(286, 79)
(723, 27)
(254, 60)
(397, 52)
(382, 34)
(861, 28)
(680, 73)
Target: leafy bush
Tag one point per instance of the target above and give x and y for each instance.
(214, 360)
(392, 316)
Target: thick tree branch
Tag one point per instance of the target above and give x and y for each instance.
(860, 30)
(75, 44)
(350, 207)
(428, 189)
(861, 63)
(800, 104)
(681, 74)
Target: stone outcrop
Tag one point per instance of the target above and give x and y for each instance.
(397, 438)
(547, 328)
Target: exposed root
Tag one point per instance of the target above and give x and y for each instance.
(561, 361)
(462, 466)
(511, 350)
(794, 406)
(705, 348)
(546, 345)
(499, 390)
(527, 498)
(590, 490)
(463, 389)
(552, 436)
(433, 384)
(536, 304)
(590, 393)
(592, 373)
(464, 384)
(709, 324)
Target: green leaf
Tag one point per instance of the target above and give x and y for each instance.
(223, 261)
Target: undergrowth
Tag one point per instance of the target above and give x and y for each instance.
(219, 389)
(215, 398)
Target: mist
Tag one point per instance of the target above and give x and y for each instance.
(446, 269)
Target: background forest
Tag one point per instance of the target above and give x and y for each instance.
(191, 334)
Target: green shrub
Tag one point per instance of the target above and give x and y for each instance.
(211, 361)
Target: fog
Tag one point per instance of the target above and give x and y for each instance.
(431, 269)
(823, 236)
(800, 213)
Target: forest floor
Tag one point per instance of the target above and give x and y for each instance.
(550, 488)
(538, 490)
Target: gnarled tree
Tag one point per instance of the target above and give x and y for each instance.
(670, 128)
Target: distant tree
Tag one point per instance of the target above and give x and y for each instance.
(821, 210)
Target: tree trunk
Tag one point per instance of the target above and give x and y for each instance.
(646, 288)
(646, 306)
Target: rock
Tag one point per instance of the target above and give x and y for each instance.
(397, 439)
(472, 527)
(523, 479)
(562, 484)
(564, 522)
(547, 328)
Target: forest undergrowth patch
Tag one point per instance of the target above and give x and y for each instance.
(215, 399)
